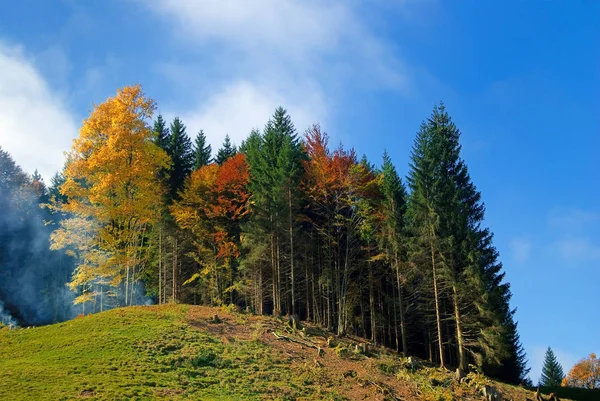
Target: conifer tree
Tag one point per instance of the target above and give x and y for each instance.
(202, 151)
(275, 169)
(448, 212)
(180, 150)
(393, 238)
(227, 150)
(162, 133)
(552, 371)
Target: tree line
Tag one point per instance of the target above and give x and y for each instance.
(288, 225)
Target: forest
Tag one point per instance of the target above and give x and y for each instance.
(285, 224)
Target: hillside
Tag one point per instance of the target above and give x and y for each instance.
(182, 352)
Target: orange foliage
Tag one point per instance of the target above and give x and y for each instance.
(211, 205)
(585, 373)
(334, 180)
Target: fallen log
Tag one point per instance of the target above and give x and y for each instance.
(301, 342)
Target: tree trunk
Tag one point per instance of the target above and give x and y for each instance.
(160, 265)
(462, 357)
(437, 307)
(401, 302)
(174, 269)
(292, 252)
(278, 260)
(273, 269)
(372, 306)
(127, 285)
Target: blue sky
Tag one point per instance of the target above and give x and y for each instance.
(520, 79)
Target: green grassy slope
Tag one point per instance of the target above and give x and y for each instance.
(178, 352)
(137, 353)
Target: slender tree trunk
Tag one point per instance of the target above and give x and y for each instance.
(278, 260)
(273, 269)
(462, 358)
(401, 307)
(316, 301)
(174, 269)
(292, 251)
(307, 295)
(372, 305)
(430, 346)
(127, 284)
(160, 266)
(395, 311)
(132, 284)
(437, 306)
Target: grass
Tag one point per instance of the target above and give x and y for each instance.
(142, 353)
(178, 352)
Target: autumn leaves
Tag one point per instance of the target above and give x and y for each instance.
(113, 199)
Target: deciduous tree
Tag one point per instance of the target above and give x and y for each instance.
(585, 373)
(113, 197)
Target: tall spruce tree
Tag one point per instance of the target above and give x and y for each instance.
(180, 149)
(393, 238)
(552, 371)
(226, 151)
(425, 244)
(275, 168)
(202, 151)
(466, 275)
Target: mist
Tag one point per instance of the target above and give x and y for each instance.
(32, 277)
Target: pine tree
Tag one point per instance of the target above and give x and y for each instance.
(275, 169)
(226, 151)
(181, 152)
(202, 151)
(393, 238)
(424, 226)
(552, 371)
(162, 133)
(447, 213)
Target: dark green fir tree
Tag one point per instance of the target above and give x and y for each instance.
(202, 151)
(226, 151)
(162, 132)
(552, 371)
(182, 155)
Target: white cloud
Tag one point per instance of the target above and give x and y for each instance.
(576, 250)
(576, 231)
(290, 26)
(520, 248)
(253, 56)
(536, 361)
(241, 106)
(35, 125)
(571, 219)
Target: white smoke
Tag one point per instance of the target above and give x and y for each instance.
(5, 318)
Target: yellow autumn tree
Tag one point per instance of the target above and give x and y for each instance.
(113, 195)
(585, 373)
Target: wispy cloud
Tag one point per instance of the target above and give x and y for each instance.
(575, 251)
(576, 232)
(303, 55)
(571, 219)
(520, 248)
(35, 124)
